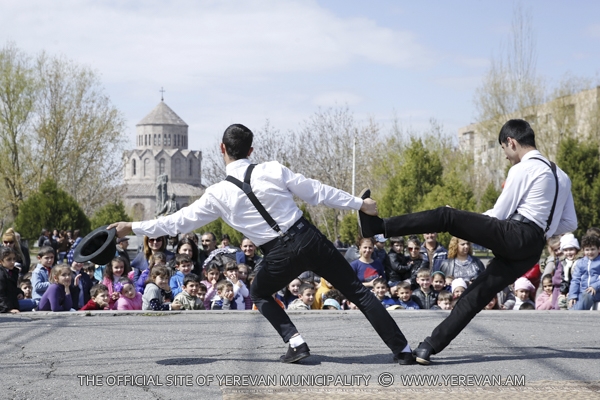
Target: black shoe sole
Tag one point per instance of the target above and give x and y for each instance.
(365, 194)
(296, 358)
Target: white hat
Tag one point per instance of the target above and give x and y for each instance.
(524, 283)
(567, 241)
(458, 282)
(380, 238)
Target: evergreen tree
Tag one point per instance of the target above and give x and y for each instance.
(489, 197)
(50, 208)
(349, 228)
(108, 214)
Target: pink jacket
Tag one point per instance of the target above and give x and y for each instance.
(124, 303)
(211, 291)
(543, 301)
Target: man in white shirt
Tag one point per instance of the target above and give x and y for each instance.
(291, 244)
(528, 211)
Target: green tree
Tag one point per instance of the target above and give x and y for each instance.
(489, 197)
(219, 227)
(349, 228)
(419, 173)
(579, 159)
(50, 208)
(108, 214)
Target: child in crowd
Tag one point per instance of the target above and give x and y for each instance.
(115, 270)
(506, 298)
(523, 288)
(158, 259)
(424, 295)
(438, 281)
(527, 305)
(183, 265)
(405, 296)
(90, 269)
(26, 288)
(190, 298)
(58, 296)
(223, 300)
(449, 280)
(458, 287)
(243, 272)
(323, 288)
(157, 292)
(544, 300)
(9, 291)
(99, 298)
(381, 288)
(239, 289)
(493, 304)
(331, 304)
(444, 301)
(306, 297)
(290, 293)
(569, 245)
(213, 276)
(129, 298)
(39, 277)
(80, 293)
(415, 260)
(585, 282)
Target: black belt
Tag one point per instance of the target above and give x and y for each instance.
(299, 226)
(519, 218)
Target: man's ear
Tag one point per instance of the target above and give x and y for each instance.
(222, 147)
(250, 151)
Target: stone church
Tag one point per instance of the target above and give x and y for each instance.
(161, 149)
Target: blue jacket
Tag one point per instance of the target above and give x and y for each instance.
(176, 283)
(585, 274)
(439, 254)
(409, 305)
(39, 282)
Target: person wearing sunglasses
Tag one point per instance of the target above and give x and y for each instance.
(23, 259)
(151, 245)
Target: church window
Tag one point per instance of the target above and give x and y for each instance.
(146, 165)
(154, 139)
(177, 167)
(169, 139)
(133, 166)
(161, 166)
(191, 167)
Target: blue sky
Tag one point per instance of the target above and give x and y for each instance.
(249, 61)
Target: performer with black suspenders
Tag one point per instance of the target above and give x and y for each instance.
(536, 203)
(257, 200)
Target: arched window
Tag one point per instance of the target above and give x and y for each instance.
(146, 166)
(133, 167)
(177, 167)
(161, 166)
(191, 167)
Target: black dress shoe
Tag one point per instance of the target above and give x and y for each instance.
(295, 354)
(422, 355)
(405, 358)
(369, 225)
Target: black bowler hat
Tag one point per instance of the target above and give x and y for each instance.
(98, 247)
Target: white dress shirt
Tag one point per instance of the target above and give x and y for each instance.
(529, 190)
(275, 187)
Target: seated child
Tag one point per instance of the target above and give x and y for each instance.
(584, 289)
(331, 304)
(157, 259)
(9, 292)
(212, 276)
(129, 298)
(39, 277)
(243, 273)
(80, 293)
(405, 296)
(380, 288)
(290, 293)
(544, 300)
(444, 301)
(99, 298)
(223, 300)
(306, 297)
(522, 289)
(458, 287)
(438, 281)
(493, 304)
(26, 288)
(157, 293)
(183, 265)
(117, 268)
(424, 295)
(506, 298)
(527, 305)
(190, 298)
(239, 289)
(57, 296)
(90, 269)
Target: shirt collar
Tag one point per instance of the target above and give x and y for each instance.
(531, 154)
(237, 164)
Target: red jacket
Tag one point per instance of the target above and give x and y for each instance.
(91, 305)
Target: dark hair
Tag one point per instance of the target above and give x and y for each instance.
(214, 237)
(527, 306)
(444, 295)
(423, 270)
(182, 258)
(24, 281)
(108, 272)
(238, 141)
(5, 251)
(415, 239)
(225, 236)
(223, 284)
(44, 251)
(96, 289)
(380, 281)
(547, 277)
(590, 240)
(158, 271)
(518, 129)
(190, 241)
(191, 278)
(593, 231)
(397, 239)
(231, 266)
(404, 285)
(202, 287)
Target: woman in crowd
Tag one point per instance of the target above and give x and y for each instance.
(151, 245)
(366, 268)
(461, 262)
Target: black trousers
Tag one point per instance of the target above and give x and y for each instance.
(516, 246)
(310, 250)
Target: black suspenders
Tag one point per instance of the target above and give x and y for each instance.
(553, 168)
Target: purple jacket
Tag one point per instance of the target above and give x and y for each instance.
(55, 299)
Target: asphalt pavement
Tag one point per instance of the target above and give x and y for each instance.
(234, 355)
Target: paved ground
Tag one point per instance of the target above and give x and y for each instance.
(233, 355)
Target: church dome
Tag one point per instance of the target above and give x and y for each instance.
(162, 115)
